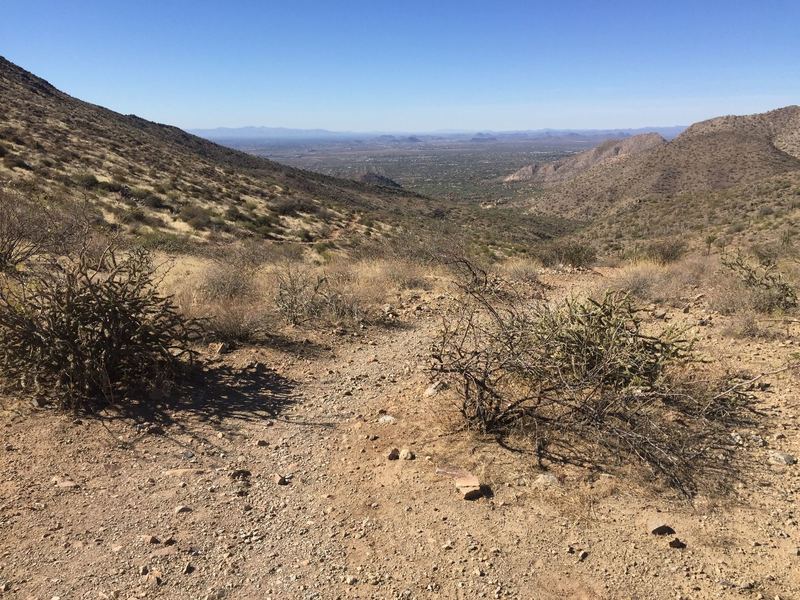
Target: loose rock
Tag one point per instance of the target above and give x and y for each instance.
(782, 458)
(406, 454)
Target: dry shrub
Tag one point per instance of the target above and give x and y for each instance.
(521, 270)
(654, 282)
(229, 297)
(29, 230)
(344, 293)
(233, 274)
(665, 251)
(571, 253)
(748, 326)
(768, 289)
(307, 296)
(86, 334)
(584, 382)
(641, 280)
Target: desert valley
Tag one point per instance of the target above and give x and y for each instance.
(559, 364)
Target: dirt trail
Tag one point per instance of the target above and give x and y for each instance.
(190, 508)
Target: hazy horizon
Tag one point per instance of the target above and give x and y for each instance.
(363, 67)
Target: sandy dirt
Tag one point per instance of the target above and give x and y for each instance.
(271, 480)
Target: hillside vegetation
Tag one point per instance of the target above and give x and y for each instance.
(735, 178)
(178, 191)
(550, 173)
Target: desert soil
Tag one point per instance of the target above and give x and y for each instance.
(273, 481)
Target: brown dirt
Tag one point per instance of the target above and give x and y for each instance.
(352, 524)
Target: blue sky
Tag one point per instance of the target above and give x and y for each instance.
(413, 65)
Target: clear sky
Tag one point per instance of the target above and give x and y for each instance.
(413, 65)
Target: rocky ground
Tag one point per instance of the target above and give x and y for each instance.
(274, 480)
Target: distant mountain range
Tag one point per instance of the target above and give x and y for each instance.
(289, 134)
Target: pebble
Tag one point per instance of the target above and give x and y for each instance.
(782, 458)
(406, 454)
(546, 480)
(393, 454)
(661, 529)
(182, 509)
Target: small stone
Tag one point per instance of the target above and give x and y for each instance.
(182, 509)
(144, 570)
(448, 545)
(583, 555)
(262, 443)
(387, 420)
(393, 454)
(406, 454)
(151, 539)
(546, 480)
(241, 474)
(661, 529)
(678, 544)
(188, 569)
(64, 484)
(466, 483)
(782, 458)
(350, 580)
(279, 479)
(434, 389)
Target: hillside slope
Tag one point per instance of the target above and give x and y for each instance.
(157, 178)
(709, 156)
(733, 179)
(568, 168)
(170, 187)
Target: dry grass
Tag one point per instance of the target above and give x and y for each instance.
(656, 282)
(242, 300)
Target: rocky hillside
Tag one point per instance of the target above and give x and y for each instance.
(735, 179)
(175, 190)
(611, 151)
(709, 156)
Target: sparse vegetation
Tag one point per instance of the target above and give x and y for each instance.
(581, 378)
(571, 253)
(90, 332)
(767, 285)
